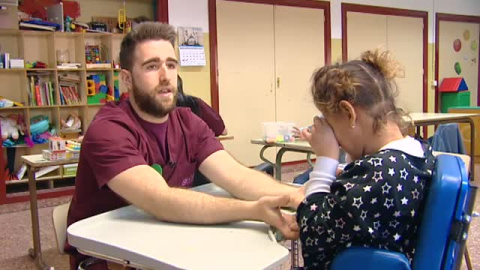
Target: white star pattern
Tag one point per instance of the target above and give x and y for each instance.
(320, 230)
(415, 194)
(377, 176)
(389, 212)
(386, 188)
(394, 223)
(415, 179)
(357, 202)
(388, 203)
(339, 223)
(348, 186)
(377, 162)
(309, 241)
(396, 237)
(303, 222)
(331, 202)
(363, 215)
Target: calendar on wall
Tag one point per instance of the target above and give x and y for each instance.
(192, 51)
(192, 56)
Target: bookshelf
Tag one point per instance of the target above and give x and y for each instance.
(52, 93)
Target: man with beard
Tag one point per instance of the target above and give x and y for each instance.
(126, 138)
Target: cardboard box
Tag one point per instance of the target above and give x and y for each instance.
(8, 15)
(70, 169)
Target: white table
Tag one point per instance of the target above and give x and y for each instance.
(131, 237)
(418, 119)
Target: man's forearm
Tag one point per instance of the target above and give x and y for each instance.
(187, 206)
(255, 184)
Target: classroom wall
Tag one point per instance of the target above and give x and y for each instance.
(195, 13)
(109, 8)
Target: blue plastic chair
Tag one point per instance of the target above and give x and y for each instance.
(443, 230)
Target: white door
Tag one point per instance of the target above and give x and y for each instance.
(246, 75)
(299, 51)
(405, 41)
(403, 36)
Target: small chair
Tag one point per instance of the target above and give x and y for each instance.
(60, 225)
(443, 230)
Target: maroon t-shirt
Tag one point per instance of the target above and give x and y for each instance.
(117, 140)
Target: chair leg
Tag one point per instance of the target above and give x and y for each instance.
(467, 259)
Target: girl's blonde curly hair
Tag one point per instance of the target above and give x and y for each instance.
(367, 83)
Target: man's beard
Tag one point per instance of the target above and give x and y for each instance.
(148, 103)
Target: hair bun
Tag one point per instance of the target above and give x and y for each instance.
(384, 62)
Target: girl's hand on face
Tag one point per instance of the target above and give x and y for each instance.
(322, 139)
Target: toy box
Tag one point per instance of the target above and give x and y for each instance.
(278, 132)
(70, 169)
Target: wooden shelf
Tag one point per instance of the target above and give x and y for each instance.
(34, 46)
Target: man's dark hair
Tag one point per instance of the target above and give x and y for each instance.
(142, 32)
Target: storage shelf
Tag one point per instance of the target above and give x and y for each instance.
(43, 46)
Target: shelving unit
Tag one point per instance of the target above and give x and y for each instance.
(47, 47)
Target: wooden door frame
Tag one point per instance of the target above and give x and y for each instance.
(393, 12)
(162, 11)
(451, 18)
(212, 20)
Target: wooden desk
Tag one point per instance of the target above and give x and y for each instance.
(131, 237)
(33, 163)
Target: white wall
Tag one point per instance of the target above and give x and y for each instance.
(195, 12)
(463, 7)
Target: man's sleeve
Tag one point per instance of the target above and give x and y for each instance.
(110, 149)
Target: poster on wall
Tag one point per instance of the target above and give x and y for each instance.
(190, 46)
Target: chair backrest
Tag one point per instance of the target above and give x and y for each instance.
(443, 229)
(448, 206)
(60, 225)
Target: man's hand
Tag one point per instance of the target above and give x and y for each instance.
(322, 139)
(268, 209)
(295, 198)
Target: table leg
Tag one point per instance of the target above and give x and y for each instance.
(36, 252)
(278, 163)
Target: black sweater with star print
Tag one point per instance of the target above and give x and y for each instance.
(376, 202)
